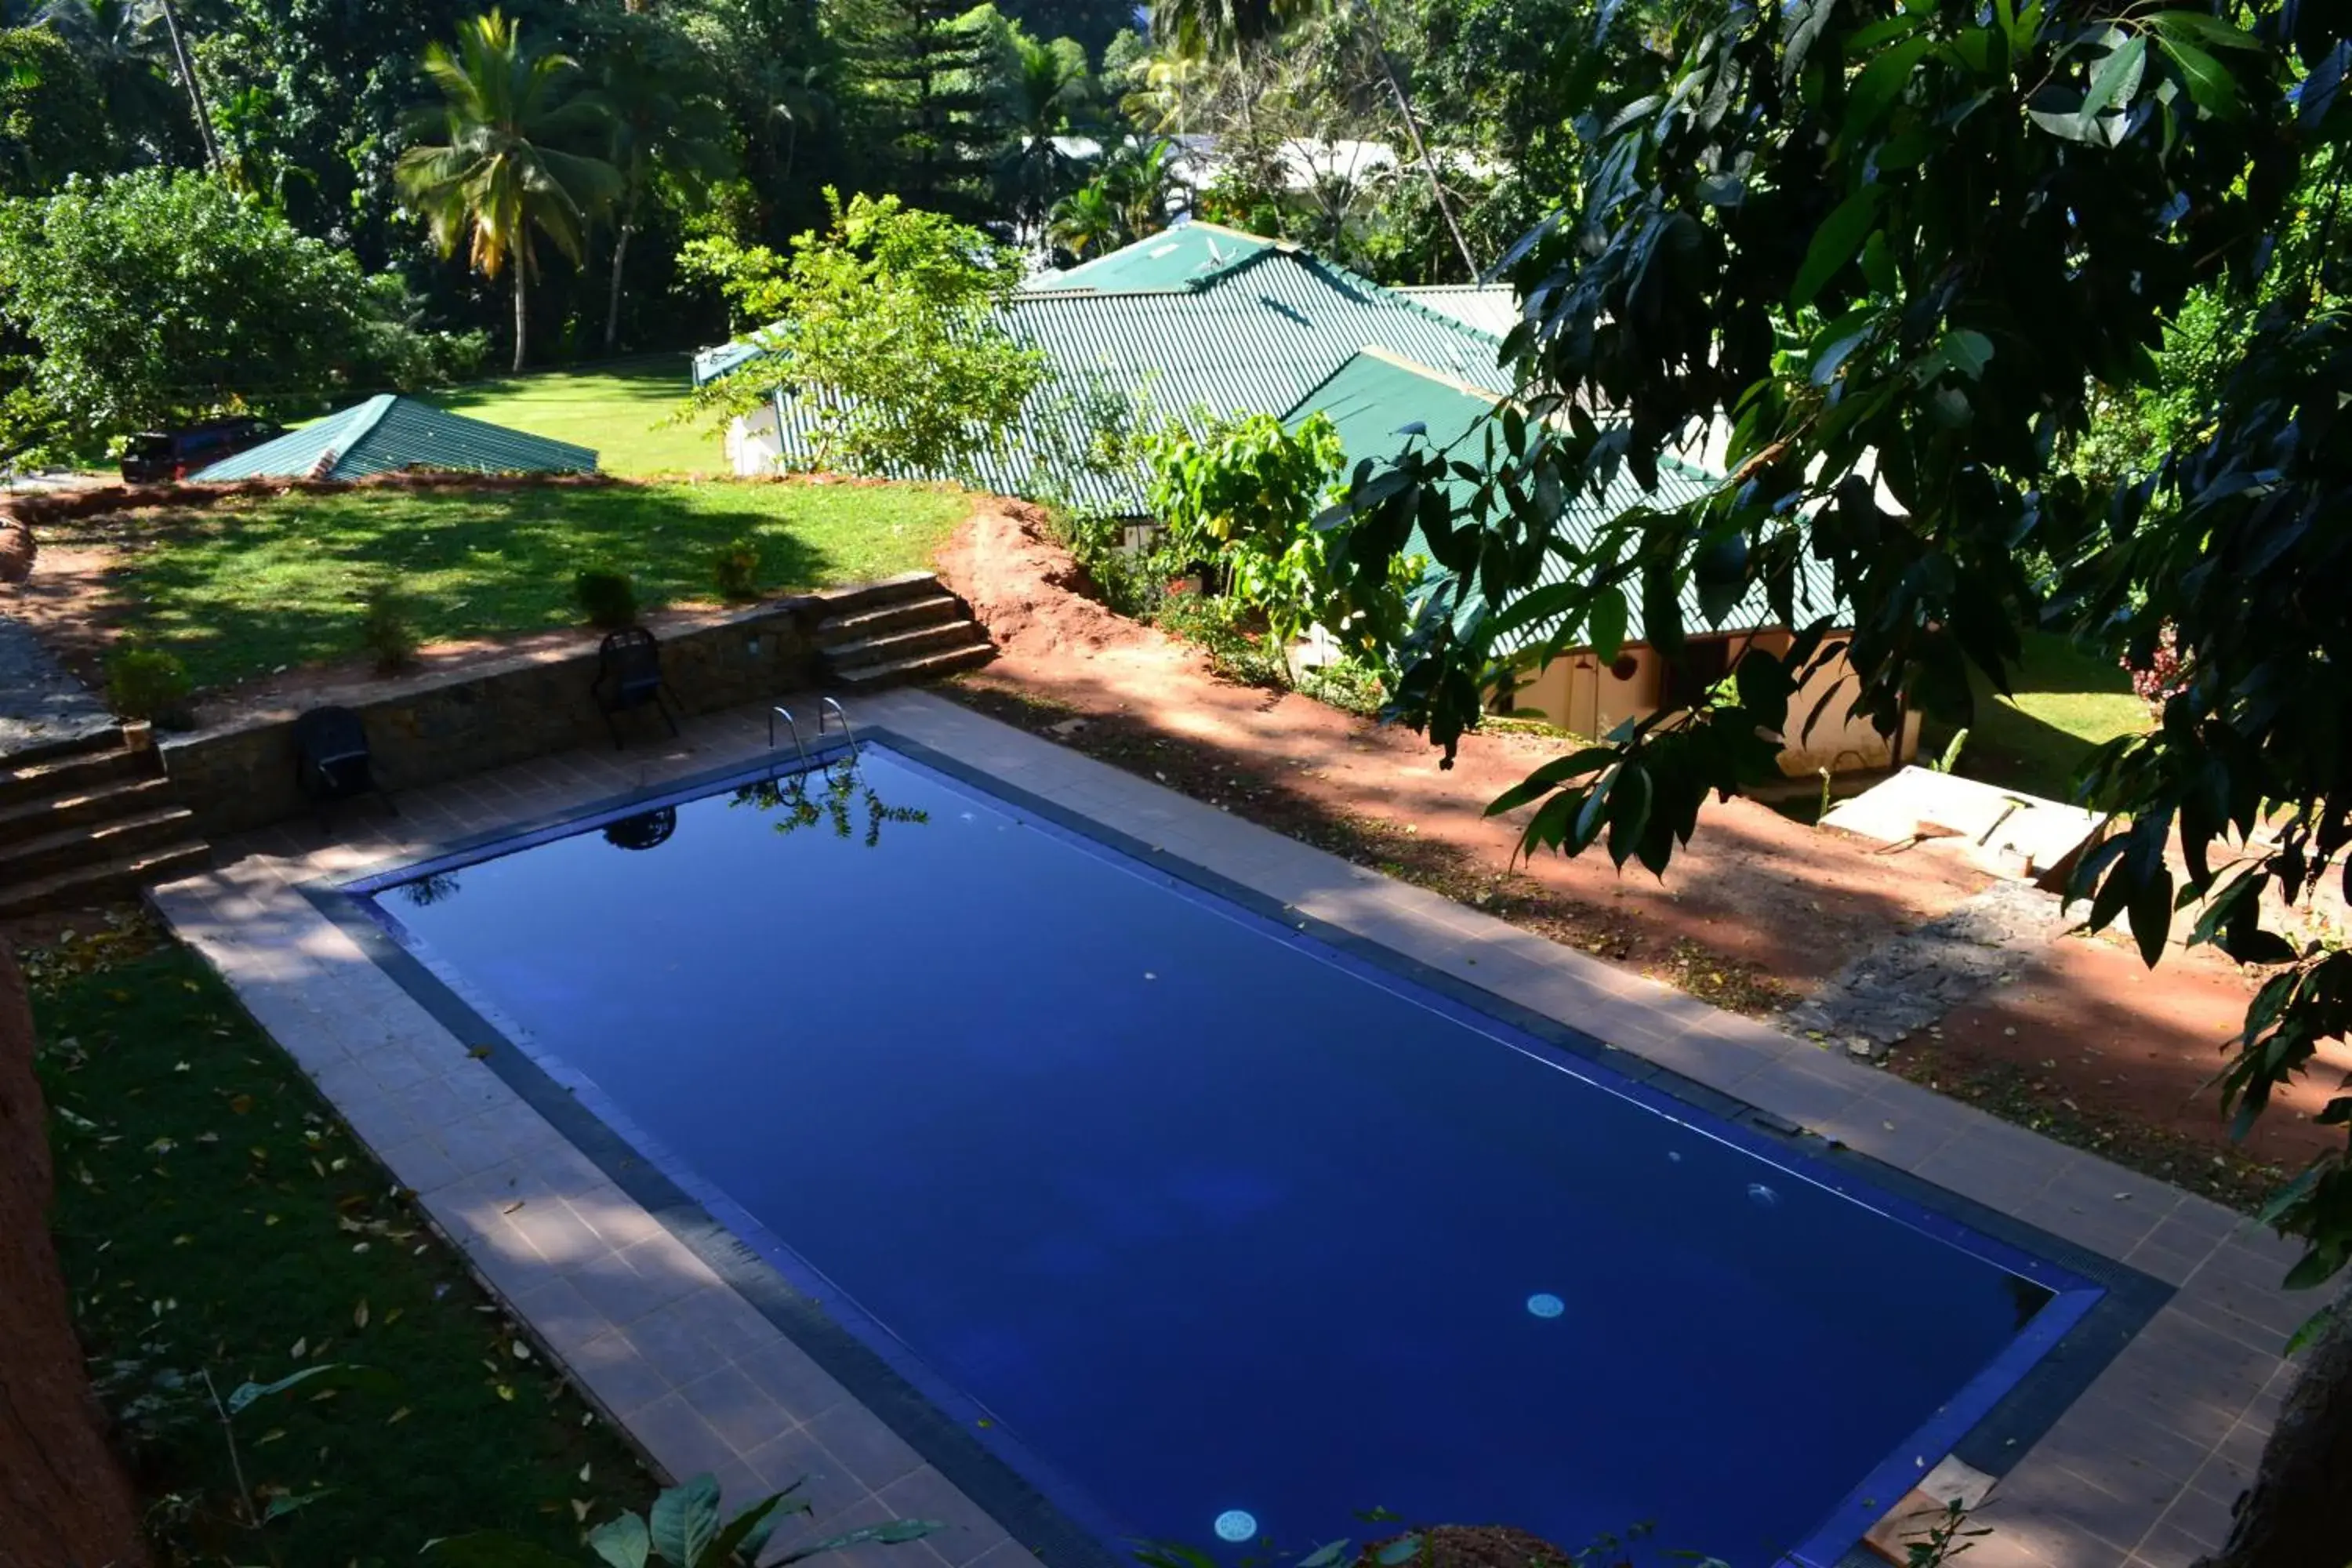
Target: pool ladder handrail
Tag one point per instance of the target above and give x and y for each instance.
(833, 706)
(828, 708)
(791, 728)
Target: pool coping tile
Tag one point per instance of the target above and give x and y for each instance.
(699, 1374)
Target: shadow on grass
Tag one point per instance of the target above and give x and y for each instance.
(246, 590)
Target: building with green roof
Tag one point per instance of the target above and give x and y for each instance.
(1380, 402)
(1197, 317)
(389, 433)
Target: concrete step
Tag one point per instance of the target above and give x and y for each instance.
(874, 596)
(923, 667)
(105, 739)
(893, 646)
(48, 853)
(80, 808)
(78, 774)
(904, 615)
(104, 881)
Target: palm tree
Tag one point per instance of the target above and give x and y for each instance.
(1086, 221)
(127, 53)
(1137, 177)
(804, 103)
(1046, 88)
(665, 128)
(503, 171)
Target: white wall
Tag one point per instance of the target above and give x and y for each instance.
(755, 445)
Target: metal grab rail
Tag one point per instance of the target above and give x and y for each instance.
(793, 729)
(831, 706)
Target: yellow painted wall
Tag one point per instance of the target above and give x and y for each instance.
(1576, 693)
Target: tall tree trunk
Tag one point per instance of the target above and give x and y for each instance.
(522, 310)
(1428, 163)
(2295, 1514)
(613, 304)
(195, 94)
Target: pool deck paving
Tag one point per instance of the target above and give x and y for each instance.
(2142, 1468)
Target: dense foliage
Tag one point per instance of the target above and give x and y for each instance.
(1911, 253)
(156, 294)
(887, 331)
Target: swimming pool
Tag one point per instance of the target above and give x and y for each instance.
(1206, 1225)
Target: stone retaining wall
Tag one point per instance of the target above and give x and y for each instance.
(428, 729)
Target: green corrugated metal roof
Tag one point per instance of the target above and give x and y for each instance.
(390, 433)
(1253, 338)
(1371, 399)
(1189, 256)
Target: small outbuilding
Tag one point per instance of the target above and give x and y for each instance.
(389, 433)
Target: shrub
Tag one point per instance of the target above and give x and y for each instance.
(1350, 684)
(148, 683)
(608, 597)
(388, 627)
(735, 567)
(1214, 624)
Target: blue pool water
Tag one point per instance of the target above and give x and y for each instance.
(1210, 1228)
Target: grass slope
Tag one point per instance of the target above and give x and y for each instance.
(214, 1217)
(2066, 705)
(616, 408)
(248, 586)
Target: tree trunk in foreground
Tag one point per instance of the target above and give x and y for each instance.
(613, 303)
(2298, 1512)
(522, 310)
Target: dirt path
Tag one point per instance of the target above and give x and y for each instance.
(1755, 914)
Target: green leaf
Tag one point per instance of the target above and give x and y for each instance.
(1605, 623)
(1881, 82)
(1878, 264)
(685, 1521)
(497, 1549)
(1966, 351)
(2209, 83)
(1327, 1556)
(1835, 243)
(2208, 29)
(1403, 1549)
(285, 1503)
(748, 1531)
(2151, 911)
(2116, 79)
(898, 1532)
(1544, 779)
(1629, 812)
(245, 1394)
(624, 1543)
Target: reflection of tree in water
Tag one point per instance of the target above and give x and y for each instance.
(426, 891)
(644, 831)
(798, 806)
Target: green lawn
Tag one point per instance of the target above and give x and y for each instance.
(617, 408)
(2067, 703)
(248, 586)
(214, 1219)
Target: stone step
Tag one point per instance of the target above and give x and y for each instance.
(904, 616)
(48, 853)
(874, 596)
(78, 774)
(80, 808)
(108, 739)
(105, 881)
(893, 646)
(923, 667)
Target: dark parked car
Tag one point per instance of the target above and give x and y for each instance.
(157, 454)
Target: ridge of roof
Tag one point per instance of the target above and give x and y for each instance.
(368, 416)
(1357, 279)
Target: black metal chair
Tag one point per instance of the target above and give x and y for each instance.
(647, 830)
(332, 759)
(628, 675)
